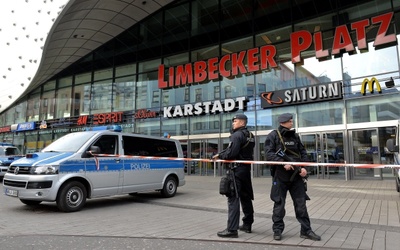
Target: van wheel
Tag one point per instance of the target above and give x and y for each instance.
(71, 197)
(30, 202)
(170, 187)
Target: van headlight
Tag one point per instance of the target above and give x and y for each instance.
(47, 169)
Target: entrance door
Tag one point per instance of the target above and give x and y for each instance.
(367, 147)
(202, 149)
(325, 148)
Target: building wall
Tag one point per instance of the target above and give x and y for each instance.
(119, 83)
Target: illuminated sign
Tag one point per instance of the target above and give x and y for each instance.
(262, 58)
(5, 129)
(202, 108)
(371, 83)
(143, 114)
(302, 95)
(26, 126)
(104, 118)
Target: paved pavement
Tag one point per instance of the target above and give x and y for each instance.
(357, 214)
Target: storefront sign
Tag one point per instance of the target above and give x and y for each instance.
(5, 129)
(104, 118)
(310, 94)
(143, 114)
(262, 58)
(202, 108)
(26, 126)
(371, 83)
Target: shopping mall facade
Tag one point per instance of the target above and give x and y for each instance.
(186, 69)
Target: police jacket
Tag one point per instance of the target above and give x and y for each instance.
(238, 148)
(294, 149)
(241, 147)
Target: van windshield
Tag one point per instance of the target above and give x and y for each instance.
(69, 143)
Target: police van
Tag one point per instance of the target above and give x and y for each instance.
(97, 163)
(8, 154)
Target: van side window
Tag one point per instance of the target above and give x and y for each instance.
(149, 147)
(108, 144)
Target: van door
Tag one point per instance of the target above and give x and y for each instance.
(104, 171)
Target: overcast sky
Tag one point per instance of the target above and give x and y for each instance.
(23, 30)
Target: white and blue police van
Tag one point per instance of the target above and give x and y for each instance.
(8, 154)
(96, 163)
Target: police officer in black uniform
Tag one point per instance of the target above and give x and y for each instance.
(241, 147)
(288, 177)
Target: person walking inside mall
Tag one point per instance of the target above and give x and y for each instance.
(284, 144)
(241, 147)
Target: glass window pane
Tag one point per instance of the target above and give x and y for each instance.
(147, 84)
(47, 110)
(321, 113)
(205, 16)
(83, 78)
(373, 109)
(32, 113)
(103, 74)
(125, 70)
(373, 63)
(63, 103)
(124, 94)
(65, 82)
(101, 97)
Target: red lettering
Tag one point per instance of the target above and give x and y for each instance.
(184, 76)
(171, 77)
(381, 37)
(359, 27)
(342, 40)
(267, 54)
(161, 83)
(212, 68)
(300, 41)
(143, 114)
(222, 66)
(200, 73)
(252, 60)
(318, 44)
(237, 63)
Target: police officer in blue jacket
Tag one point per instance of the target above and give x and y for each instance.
(241, 147)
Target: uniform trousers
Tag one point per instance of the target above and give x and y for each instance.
(298, 194)
(234, 202)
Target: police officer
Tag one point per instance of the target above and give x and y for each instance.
(288, 177)
(241, 147)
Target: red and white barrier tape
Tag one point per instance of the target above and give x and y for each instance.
(302, 164)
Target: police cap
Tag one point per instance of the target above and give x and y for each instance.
(285, 117)
(240, 117)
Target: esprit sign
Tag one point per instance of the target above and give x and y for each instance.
(203, 108)
(262, 58)
(309, 94)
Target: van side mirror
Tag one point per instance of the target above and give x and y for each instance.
(93, 150)
(390, 145)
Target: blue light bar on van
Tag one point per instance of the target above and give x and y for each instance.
(115, 128)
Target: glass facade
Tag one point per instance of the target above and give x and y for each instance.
(120, 82)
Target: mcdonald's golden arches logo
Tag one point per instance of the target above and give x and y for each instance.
(371, 83)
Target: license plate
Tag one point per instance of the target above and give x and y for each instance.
(11, 192)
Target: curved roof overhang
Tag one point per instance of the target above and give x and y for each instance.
(83, 26)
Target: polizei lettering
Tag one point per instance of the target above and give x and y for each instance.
(313, 93)
(202, 108)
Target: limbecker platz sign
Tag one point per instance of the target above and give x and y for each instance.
(302, 95)
(262, 58)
